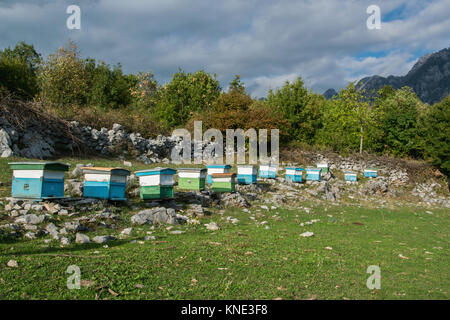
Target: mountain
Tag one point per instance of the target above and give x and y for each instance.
(429, 78)
(330, 93)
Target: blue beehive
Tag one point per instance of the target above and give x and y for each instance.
(268, 171)
(38, 180)
(313, 174)
(350, 176)
(294, 174)
(105, 183)
(216, 168)
(246, 174)
(370, 173)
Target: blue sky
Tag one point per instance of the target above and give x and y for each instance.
(267, 42)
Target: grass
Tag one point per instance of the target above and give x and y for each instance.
(245, 260)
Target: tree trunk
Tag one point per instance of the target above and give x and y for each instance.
(361, 140)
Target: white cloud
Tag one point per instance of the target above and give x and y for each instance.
(266, 42)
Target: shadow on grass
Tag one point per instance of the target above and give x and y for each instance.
(67, 249)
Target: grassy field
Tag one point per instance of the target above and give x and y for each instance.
(260, 258)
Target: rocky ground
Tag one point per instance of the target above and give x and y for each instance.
(70, 220)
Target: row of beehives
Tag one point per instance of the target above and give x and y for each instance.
(45, 180)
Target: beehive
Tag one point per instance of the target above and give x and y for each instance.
(268, 171)
(38, 180)
(191, 179)
(105, 183)
(324, 166)
(313, 174)
(350, 176)
(246, 174)
(223, 182)
(294, 174)
(370, 173)
(216, 168)
(156, 183)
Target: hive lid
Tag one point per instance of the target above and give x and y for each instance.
(117, 171)
(192, 169)
(295, 168)
(221, 166)
(246, 166)
(314, 169)
(223, 175)
(156, 171)
(39, 165)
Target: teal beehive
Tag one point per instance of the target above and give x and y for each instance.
(38, 180)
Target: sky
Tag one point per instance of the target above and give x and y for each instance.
(266, 42)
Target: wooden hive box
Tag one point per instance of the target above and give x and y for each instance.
(294, 174)
(313, 174)
(156, 183)
(350, 176)
(105, 183)
(370, 173)
(224, 182)
(246, 174)
(38, 180)
(324, 166)
(268, 171)
(192, 179)
(216, 168)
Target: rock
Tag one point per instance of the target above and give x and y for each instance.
(127, 164)
(212, 226)
(103, 239)
(30, 235)
(143, 217)
(12, 264)
(127, 231)
(5, 144)
(30, 219)
(65, 241)
(307, 234)
(82, 238)
(236, 199)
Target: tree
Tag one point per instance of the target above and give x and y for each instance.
(184, 95)
(18, 70)
(347, 120)
(401, 109)
(299, 107)
(435, 130)
(64, 78)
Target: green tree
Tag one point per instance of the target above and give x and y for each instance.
(347, 121)
(399, 121)
(299, 107)
(184, 95)
(435, 130)
(18, 70)
(63, 77)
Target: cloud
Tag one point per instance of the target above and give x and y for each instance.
(266, 42)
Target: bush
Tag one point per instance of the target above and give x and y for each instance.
(435, 130)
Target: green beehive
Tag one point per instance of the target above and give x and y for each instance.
(191, 179)
(224, 182)
(156, 183)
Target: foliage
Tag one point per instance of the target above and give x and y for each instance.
(299, 107)
(435, 130)
(184, 95)
(347, 121)
(64, 78)
(401, 110)
(18, 70)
